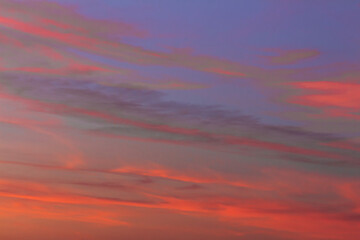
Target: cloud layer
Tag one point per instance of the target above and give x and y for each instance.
(105, 134)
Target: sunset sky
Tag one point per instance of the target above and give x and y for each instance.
(179, 119)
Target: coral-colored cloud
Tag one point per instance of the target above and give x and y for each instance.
(332, 94)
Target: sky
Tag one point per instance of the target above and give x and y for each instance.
(179, 119)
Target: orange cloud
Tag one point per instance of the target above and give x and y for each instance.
(171, 174)
(263, 209)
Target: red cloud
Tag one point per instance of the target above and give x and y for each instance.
(332, 94)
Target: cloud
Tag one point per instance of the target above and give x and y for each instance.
(117, 112)
(82, 110)
(48, 26)
(333, 94)
(294, 197)
(124, 106)
(284, 57)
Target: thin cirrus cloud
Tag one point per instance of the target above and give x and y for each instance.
(284, 57)
(105, 134)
